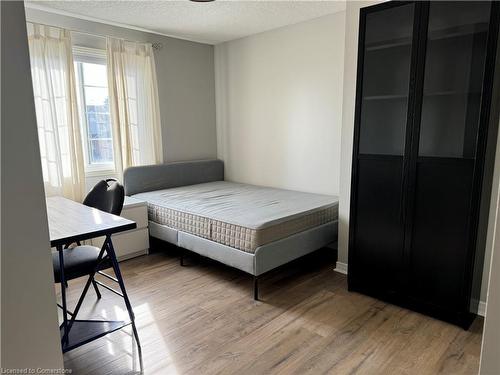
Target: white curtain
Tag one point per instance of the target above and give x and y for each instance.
(56, 111)
(134, 102)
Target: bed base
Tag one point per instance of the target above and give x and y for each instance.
(255, 278)
(265, 258)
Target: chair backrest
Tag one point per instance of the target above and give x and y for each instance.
(107, 195)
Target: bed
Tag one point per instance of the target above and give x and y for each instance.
(252, 228)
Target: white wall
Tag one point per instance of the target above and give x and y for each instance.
(279, 106)
(185, 73)
(30, 332)
(350, 70)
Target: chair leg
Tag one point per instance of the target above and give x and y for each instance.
(255, 288)
(94, 284)
(63, 296)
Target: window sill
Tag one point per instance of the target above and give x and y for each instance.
(101, 173)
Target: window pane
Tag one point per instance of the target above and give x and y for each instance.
(98, 127)
(94, 75)
(97, 99)
(101, 151)
(94, 106)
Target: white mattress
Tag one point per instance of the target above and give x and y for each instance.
(239, 215)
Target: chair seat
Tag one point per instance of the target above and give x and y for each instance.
(78, 262)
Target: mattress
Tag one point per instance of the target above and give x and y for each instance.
(239, 215)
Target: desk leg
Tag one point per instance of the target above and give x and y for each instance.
(116, 269)
(86, 288)
(63, 294)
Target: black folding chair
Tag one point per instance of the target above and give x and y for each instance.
(107, 195)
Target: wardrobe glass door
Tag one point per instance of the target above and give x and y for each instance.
(457, 35)
(386, 78)
(381, 120)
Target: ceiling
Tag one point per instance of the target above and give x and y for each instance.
(211, 22)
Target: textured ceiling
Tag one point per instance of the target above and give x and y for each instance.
(212, 22)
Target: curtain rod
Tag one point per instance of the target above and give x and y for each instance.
(156, 45)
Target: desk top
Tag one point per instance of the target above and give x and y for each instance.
(70, 221)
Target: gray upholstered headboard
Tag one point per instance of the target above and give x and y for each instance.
(164, 176)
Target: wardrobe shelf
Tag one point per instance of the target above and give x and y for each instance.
(437, 35)
(451, 93)
(458, 31)
(385, 97)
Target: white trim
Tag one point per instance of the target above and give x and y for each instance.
(44, 8)
(133, 255)
(95, 172)
(481, 307)
(341, 268)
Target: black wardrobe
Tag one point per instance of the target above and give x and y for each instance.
(423, 105)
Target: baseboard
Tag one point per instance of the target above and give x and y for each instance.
(133, 255)
(341, 268)
(481, 308)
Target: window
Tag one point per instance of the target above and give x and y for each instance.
(93, 99)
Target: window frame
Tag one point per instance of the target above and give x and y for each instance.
(92, 56)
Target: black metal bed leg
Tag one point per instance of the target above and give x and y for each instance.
(255, 288)
(183, 252)
(116, 269)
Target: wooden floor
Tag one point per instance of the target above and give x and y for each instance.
(201, 319)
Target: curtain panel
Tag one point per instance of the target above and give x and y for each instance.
(134, 102)
(56, 111)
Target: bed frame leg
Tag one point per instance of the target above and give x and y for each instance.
(182, 257)
(255, 288)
